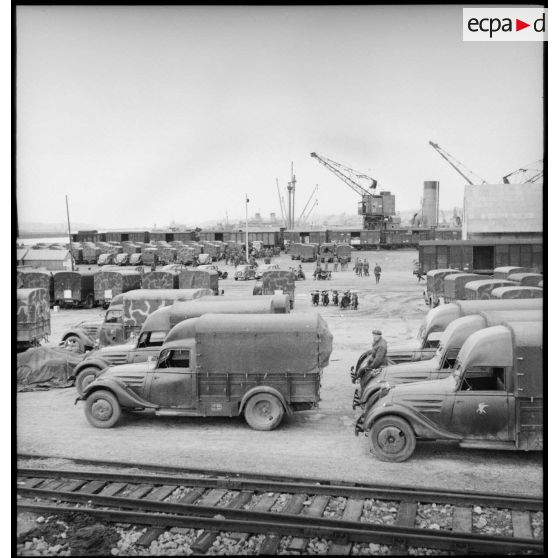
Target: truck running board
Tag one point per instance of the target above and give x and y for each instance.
(487, 444)
(176, 413)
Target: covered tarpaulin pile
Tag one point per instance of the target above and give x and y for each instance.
(46, 367)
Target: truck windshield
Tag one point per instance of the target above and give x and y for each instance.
(151, 339)
(113, 316)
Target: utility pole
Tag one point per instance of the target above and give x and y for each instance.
(292, 185)
(247, 200)
(69, 233)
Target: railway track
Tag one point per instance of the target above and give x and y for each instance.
(286, 514)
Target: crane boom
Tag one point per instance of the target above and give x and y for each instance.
(466, 173)
(534, 169)
(348, 175)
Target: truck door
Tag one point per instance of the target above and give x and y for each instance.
(172, 383)
(480, 409)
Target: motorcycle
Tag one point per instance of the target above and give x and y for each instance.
(325, 298)
(315, 297)
(299, 274)
(354, 301)
(335, 298)
(323, 275)
(345, 300)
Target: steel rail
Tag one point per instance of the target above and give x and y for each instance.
(386, 493)
(304, 526)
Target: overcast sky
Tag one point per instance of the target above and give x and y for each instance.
(144, 115)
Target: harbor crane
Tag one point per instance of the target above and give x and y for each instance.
(530, 173)
(466, 173)
(374, 208)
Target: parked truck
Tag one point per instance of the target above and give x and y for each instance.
(454, 285)
(36, 279)
(33, 317)
(199, 279)
(214, 366)
(308, 252)
(343, 250)
(74, 288)
(526, 279)
(108, 284)
(505, 271)
(442, 362)
(481, 289)
(160, 280)
(435, 285)
(275, 281)
(493, 399)
(157, 325)
(516, 292)
(436, 321)
(327, 251)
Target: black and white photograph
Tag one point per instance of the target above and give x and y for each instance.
(280, 279)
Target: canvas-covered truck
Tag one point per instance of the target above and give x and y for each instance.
(294, 250)
(199, 279)
(526, 279)
(435, 285)
(436, 321)
(343, 251)
(122, 259)
(105, 259)
(443, 360)
(149, 256)
(493, 399)
(74, 288)
(122, 323)
(327, 251)
(33, 317)
(516, 292)
(308, 252)
(91, 253)
(108, 284)
(36, 279)
(160, 280)
(158, 324)
(481, 289)
(454, 285)
(504, 272)
(259, 366)
(275, 281)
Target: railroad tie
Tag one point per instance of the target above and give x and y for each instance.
(153, 533)
(112, 488)
(52, 484)
(271, 542)
(352, 512)
(521, 521)
(203, 543)
(93, 487)
(31, 483)
(405, 518)
(72, 485)
(315, 509)
(140, 491)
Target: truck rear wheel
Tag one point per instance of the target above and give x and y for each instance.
(392, 439)
(102, 409)
(264, 411)
(85, 377)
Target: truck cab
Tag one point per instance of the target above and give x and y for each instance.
(434, 291)
(221, 365)
(493, 399)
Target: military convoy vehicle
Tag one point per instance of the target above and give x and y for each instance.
(308, 252)
(199, 279)
(244, 272)
(343, 251)
(105, 259)
(261, 366)
(266, 267)
(504, 272)
(326, 251)
(277, 281)
(122, 259)
(516, 292)
(436, 321)
(454, 285)
(213, 267)
(32, 278)
(526, 279)
(33, 317)
(136, 259)
(74, 288)
(443, 360)
(126, 320)
(481, 289)
(157, 325)
(435, 285)
(493, 399)
(160, 280)
(108, 284)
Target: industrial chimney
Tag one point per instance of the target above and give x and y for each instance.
(430, 203)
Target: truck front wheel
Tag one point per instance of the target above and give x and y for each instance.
(85, 377)
(392, 439)
(263, 411)
(102, 409)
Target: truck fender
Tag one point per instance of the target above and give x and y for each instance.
(264, 389)
(77, 331)
(126, 397)
(422, 427)
(91, 362)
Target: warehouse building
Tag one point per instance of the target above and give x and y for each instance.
(53, 260)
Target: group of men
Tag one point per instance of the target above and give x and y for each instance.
(361, 268)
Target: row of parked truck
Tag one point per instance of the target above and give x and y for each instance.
(448, 285)
(326, 251)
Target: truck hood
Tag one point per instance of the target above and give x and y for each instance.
(406, 372)
(417, 395)
(114, 354)
(411, 345)
(130, 374)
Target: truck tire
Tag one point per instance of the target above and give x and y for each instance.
(392, 439)
(263, 411)
(102, 409)
(85, 377)
(73, 343)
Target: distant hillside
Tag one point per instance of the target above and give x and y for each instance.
(53, 227)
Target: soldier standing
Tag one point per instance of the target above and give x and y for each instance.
(335, 263)
(377, 272)
(366, 267)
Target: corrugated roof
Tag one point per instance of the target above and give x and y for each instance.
(38, 255)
